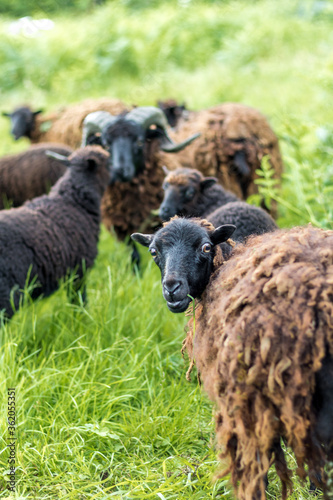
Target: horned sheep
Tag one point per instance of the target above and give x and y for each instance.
(54, 233)
(29, 174)
(62, 126)
(262, 344)
(135, 141)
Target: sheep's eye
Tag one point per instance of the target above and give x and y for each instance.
(189, 193)
(206, 248)
(153, 252)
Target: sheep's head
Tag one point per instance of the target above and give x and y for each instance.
(182, 189)
(91, 161)
(125, 136)
(184, 250)
(125, 139)
(22, 121)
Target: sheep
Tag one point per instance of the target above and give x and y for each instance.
(263, 342)
(173, 111)
(137, 175)
(187, 192)
(234, 139)
(54, 233)
(63, 125)
(29, 174)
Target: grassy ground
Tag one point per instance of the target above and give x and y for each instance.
(103, 408)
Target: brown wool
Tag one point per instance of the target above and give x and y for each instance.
(225, 130)
(26, 175)
(65, 125)
(127, 206)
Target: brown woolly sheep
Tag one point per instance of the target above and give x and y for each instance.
(31, 173)
(263, 342)
(63, 125)
(234, 139)
(128, 206)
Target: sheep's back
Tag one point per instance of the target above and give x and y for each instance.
(248, 219)
(65, 125)
(29, 174)
(262, 331)
(50, 236)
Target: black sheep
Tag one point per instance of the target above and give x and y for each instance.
(23, 121)
(51, 235)
(248, 219)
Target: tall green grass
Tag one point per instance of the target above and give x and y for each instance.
(103, 407)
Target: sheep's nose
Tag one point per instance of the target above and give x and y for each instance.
(171, 287)
(165, 213)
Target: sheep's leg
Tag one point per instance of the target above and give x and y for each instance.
(243, 170)
(323, 401)
(313, 488)
(241, 164)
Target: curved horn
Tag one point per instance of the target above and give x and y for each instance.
(174, 148)
(94, 123)
(150, 115)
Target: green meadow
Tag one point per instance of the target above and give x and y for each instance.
(103, 409)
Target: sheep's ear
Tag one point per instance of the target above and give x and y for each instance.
(143, 239)
(37, 112)
(207, 182)
(222, 233)
(57, 156)
(166, 170)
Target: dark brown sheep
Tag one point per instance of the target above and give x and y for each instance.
(29, 174)
(187, 192)
(263, 342)
(135, 142)
(234, 139)
(63, 125)
(128, 206)
(52, 234)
